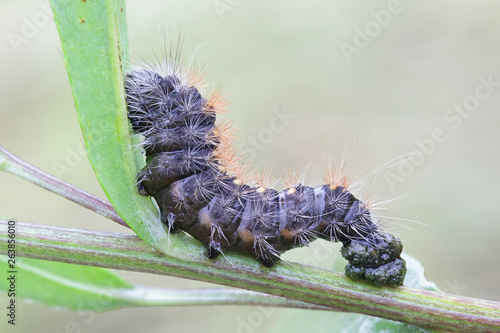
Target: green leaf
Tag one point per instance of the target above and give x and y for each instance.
(67, 285)
(94, 41)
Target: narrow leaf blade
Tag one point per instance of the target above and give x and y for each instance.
(72, 286)
(93, 38)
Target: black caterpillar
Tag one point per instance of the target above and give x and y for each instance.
(187, 176)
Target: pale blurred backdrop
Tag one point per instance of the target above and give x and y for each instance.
(377, 102)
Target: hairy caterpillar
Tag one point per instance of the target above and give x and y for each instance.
(187, 174)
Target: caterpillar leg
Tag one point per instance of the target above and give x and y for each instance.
(377, 262)
(213, 251)
(216, 241)
(269, 261)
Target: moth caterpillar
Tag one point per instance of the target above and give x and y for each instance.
(187, 173)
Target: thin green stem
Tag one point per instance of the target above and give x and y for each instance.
(14, 165)
(148, 296)
(423, 308)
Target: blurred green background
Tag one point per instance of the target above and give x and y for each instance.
(286, 55)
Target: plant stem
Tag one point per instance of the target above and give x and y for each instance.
(208, 296)
(12, 164)
(423, 308)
